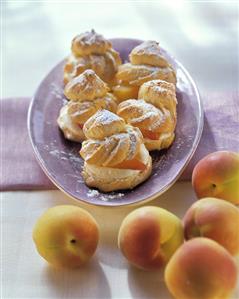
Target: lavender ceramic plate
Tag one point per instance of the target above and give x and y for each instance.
(61, 162)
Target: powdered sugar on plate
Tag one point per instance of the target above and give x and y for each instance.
(58, 93)
(92, 193)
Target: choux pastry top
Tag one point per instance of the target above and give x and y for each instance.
(91, 50)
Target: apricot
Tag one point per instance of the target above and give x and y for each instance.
(149, 236)
(201, 269)
(125, 92)
(215, 219)
(134, 164)
(217, 175)
(66, 236)
(150, 134)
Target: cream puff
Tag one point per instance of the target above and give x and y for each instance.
(146, 62)
(154, 113)
(87, 94)
(114, 154)
(161, 94)
(91, 50)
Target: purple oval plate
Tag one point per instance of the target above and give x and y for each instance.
(61, 162)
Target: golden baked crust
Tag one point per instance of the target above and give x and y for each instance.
(146, 63)
(115, 156)
(85, 87)
(157, 126)
(87, 94)
(165, 140)
(92, 51)
(161, 94)
(82, 111)
(74, 114)
(148, 53)
(105, 66)
(88, 43)
(145, 116)
(112, 150)
(70, 128)
(136, 75)
(103, 124)
(110, 179)
(154, 113)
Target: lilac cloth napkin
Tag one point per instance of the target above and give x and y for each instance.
(20, 170)
(221, 127)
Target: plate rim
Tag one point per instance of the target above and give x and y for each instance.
(120, 204)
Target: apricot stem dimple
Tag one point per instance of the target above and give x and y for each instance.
(73, 241)
(195, 231)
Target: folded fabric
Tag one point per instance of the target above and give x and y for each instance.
(20, 170)
(221, 127)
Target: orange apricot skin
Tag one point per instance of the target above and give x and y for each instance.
(217, 175)
(201, 269)
(215, 219)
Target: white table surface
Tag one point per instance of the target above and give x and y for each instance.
(35, 36)
(107, 275)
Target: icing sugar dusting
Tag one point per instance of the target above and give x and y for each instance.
(111, 196)
(58, 93)
(87, 86)
(106, 117)
(147, 48)
(71, 156)
(92, 193)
